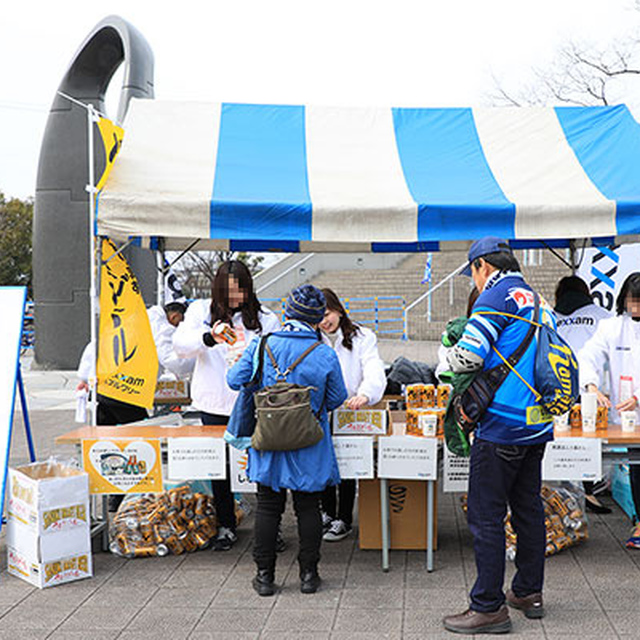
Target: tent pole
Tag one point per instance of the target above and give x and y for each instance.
(160, 260)
(95, 257)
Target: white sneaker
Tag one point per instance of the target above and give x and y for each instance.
(337, 531)
(326, 521)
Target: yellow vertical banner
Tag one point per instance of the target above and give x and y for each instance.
(112, 136)
(127, 358)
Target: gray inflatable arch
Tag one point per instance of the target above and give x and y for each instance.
(61, 220)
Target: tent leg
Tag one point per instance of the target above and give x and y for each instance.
(25, 416)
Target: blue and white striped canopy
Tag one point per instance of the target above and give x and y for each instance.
(305, 178)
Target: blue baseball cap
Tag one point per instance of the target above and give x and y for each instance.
(483, 247)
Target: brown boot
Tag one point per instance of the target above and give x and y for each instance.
(471, 622)
(530, 605)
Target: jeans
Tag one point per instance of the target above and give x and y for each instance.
(269, 511)
(346, 499)
(222, 497)
(502, 475)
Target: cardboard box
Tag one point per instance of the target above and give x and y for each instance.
(48, 528)
(368, 421)
(407, 511)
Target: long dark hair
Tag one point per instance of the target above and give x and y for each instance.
(348, 328)
(220, 308)
(630, 287)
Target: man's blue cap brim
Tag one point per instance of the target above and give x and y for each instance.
(467, 270)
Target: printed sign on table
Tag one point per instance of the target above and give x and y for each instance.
(240, 483)
(456, 472)
(355, 456)
(407, 458)
(573, 459)
(125, 465)
(196, 458)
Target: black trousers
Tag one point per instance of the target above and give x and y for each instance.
(501, 475)
(634, 478)
(222, 496)
(270, 508)
(343, 507)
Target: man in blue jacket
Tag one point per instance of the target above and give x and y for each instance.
(506, 455)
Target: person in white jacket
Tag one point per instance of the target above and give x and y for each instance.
(164, 322)
(578, 319)
(616, 342)
(233, 303)
(365, 380)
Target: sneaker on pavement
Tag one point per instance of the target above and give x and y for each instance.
(337, 531)
(634, 540)
(326, 521)
(225, 539)
(531, 605)
(471, 622)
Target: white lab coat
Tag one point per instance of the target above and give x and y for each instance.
(616, 342)
(209, 390)
(362, 367)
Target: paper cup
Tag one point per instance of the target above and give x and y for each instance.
(628, 421)
(428, 423)
(561, 423)
(589, 410)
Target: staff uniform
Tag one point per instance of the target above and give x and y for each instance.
(306, 472)
(210, 392)
(577, 327)
(363, 373)
(168, 359)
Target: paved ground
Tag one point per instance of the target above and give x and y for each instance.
(591, 591)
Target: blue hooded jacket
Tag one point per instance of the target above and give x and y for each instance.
(312, 468)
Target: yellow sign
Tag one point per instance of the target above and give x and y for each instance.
(127, 357)
(125, 465)
(112, 136)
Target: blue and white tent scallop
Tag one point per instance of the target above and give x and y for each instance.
(312, 178)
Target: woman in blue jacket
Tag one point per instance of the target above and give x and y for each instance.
(305, 472)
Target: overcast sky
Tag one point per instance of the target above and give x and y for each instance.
(336, 52)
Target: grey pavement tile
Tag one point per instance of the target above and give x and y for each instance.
(181, 579)
(59, 634)
(22, 617)
(73, 593)
(368, 621)
(295, 635)
(24, 634)
(626, 623)
(618, 597)
(224, 635)
(96, 617)
(239, 598)
(440, 579)
(300, 620)
(357, 580)
(435, 598)
(374, 598)
(590, 623)
(118, 595)
(187, 597)
(232, 620)
(570, 600)
(154, 634)
(364, 635)
(326, 598)
(166, 619)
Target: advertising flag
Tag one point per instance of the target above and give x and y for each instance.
(112, 136)
(127, 357)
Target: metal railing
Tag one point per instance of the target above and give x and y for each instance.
(383, 312)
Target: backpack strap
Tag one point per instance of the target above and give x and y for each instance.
(291, 367)
(257, 376)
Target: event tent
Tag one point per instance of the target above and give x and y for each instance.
(311, 178)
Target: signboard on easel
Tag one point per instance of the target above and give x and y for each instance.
(12, 300)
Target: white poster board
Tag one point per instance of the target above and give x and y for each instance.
(407, 458)
(12, 301)
(456, 472)
(240, 483)
(355, 456)
(196, 458)
(573, 459)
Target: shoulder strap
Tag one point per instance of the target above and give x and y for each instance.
(291, 367)
(499, 373)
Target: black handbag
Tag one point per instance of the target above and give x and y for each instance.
(242, 421)
(470, 405)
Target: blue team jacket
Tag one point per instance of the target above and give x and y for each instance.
(311, 468)
(513, 417)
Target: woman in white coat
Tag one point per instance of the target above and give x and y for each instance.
(234, 303)
(617, 342)
(364, 377)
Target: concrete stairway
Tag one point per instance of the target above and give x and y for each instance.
(403, 282)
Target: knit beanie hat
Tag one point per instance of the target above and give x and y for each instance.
(305, 303)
